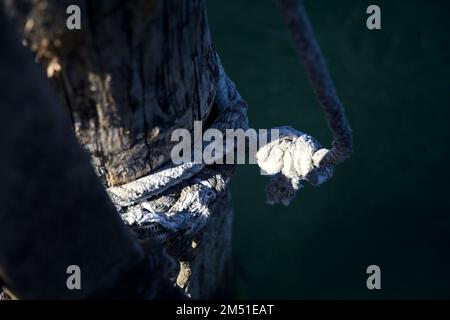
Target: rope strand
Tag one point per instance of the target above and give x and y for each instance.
(294, 13)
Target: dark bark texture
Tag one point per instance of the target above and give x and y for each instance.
(135, 71)
(54, 212)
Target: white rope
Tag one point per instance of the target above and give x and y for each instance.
(291, 159)
(197, 186)
(178, 198)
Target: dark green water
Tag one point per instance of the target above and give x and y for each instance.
(389, 204)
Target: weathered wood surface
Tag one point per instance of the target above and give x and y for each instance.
(54, 212)
(135, 71)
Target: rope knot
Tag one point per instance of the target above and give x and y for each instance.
(290, 159)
